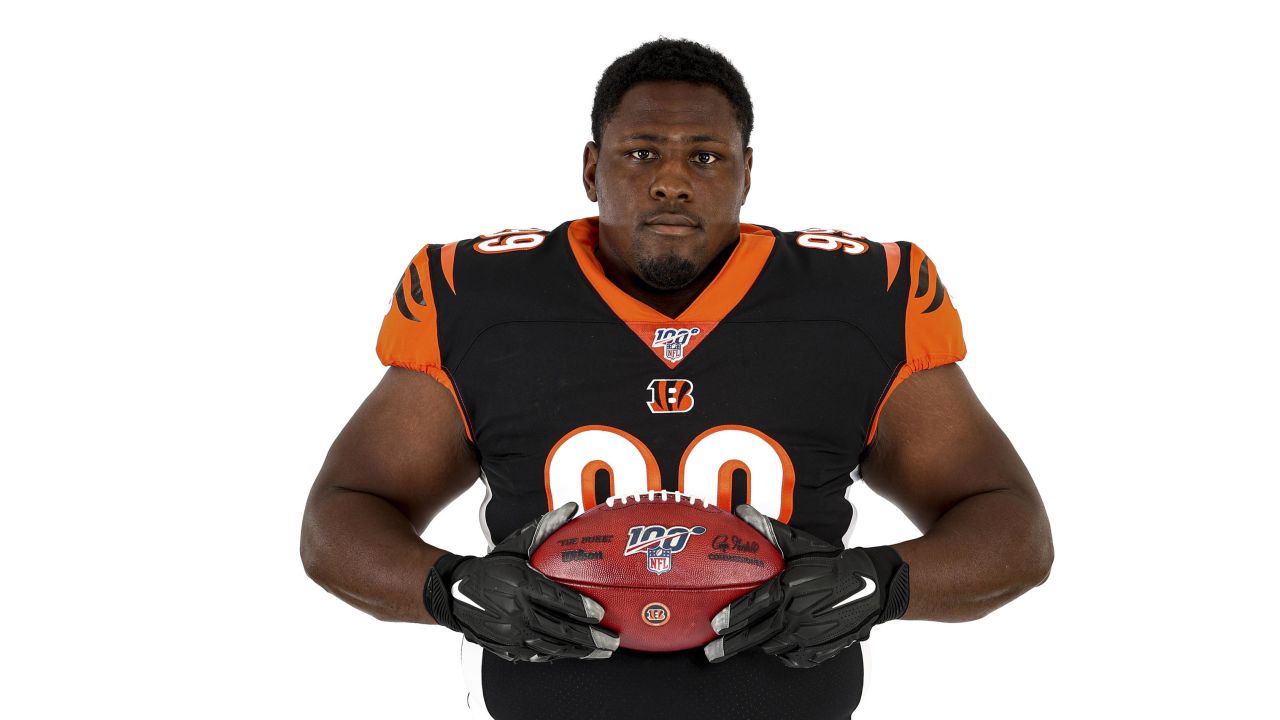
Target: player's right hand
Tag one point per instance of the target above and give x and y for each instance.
(501, 603)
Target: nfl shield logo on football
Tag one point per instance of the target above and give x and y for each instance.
(658, 560)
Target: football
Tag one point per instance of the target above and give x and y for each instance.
(661, 563)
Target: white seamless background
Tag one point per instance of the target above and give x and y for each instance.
(204, 207)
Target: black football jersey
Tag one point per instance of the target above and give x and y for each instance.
(765, 390)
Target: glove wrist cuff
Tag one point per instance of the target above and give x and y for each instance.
(435, 593)
(894, 577)
(447, 563)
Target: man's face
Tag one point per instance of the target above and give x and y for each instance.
(670, 175)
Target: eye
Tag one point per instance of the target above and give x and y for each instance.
(705, 158)
(641, 154)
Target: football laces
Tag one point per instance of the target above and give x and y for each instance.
(656, 496)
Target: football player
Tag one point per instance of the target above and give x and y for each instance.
(665, 344)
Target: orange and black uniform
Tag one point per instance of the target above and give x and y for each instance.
(765, 390)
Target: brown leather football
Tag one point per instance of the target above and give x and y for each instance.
(661, 563)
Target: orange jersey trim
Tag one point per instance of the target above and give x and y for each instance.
(711, 306)
(933, 330)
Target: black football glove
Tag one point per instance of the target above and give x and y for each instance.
(823, 601)
(501, 603)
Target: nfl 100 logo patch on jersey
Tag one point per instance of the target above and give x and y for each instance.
(659, 543)
(673, 340)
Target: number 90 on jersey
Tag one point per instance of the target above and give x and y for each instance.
(723, 466)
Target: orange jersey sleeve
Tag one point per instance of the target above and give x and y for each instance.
(931, 326)
(933, 334)
(410, 330)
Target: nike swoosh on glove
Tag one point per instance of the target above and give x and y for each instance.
(502, 603)
(825, 599)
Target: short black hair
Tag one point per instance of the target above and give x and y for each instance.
(671, 60)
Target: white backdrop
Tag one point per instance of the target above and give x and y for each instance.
(204, 207)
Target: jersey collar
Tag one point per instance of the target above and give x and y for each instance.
(672, 339)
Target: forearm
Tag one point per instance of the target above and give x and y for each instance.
(985, 551)
(362, 549)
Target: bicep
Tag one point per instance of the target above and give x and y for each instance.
(937, 445)
(405, 444)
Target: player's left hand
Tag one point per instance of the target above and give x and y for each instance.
(825, 600)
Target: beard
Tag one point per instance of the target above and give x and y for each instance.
(668, 272)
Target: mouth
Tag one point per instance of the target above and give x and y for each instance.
(672, 224)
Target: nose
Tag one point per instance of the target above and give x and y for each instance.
(671, 182)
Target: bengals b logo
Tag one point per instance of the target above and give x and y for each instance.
(670, 396)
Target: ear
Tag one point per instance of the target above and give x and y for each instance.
(746, 173)
(590, 156)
